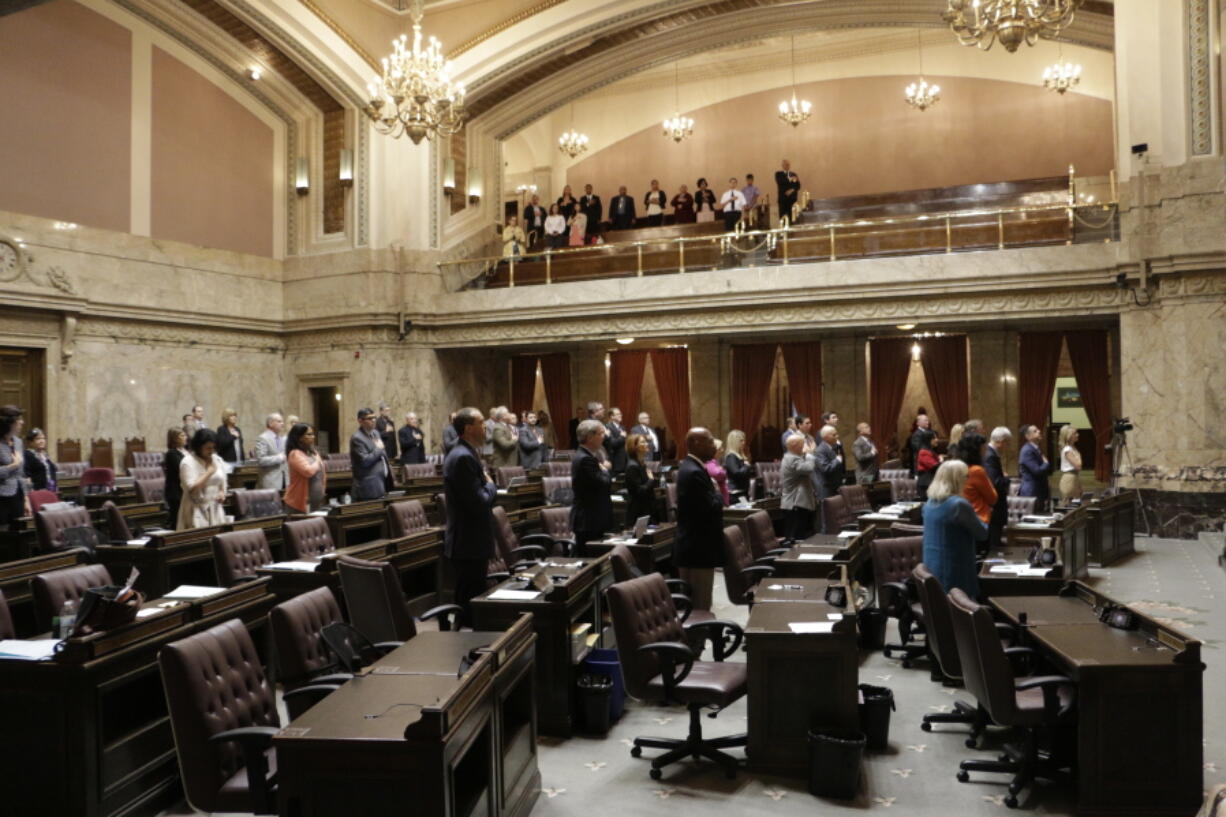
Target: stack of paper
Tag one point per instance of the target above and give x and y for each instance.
(189, 592)
(504, 594)
(304, 567)
(816, 557)
(34, 649)
(812, 626)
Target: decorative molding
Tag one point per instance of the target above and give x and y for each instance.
(340, 32)
(162, 334)
(342, 338)
(503, 26)
(68, 338)
(1200, 76)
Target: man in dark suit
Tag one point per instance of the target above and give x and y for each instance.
(450, 436)
(699, 548)
(385, 424)
(468, 543)
(830, 469)
(993, 464)
(1034, 468)
(591, 513)
(368, 459)
(621, 210)
(534, 221)
(412, 441)
(589, 202)
(653, 441)
(615, 441)
(789, 189)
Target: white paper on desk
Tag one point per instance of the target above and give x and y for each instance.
(848, 534)
(144, 540)
(514, 595)
(34, 649)
(834, 616)
(318, 513)
(812, 626)
(1007, 568)
(193, 591)
(816, 557)
(502, 491)
(149, 611)
(304, 567)
(1034, 571)
(617, 498)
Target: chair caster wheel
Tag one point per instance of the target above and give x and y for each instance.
(656, 774)
(963, 776)
(1011, 802)
(636, 751)
(927, 727)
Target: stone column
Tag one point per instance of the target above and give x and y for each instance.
(993, 382)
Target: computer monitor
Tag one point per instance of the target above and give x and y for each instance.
(640, 526)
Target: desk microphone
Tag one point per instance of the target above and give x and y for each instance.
(1021, 619)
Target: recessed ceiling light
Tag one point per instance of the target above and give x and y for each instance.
(906, 327)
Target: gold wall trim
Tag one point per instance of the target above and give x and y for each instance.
(340, 32)
(501, 27)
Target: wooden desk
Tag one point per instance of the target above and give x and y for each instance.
(90, 727)
(652, 552)
(797, 682)
(529, 494)
(1005, 584)
(409, 737)
(851, 553)
(15, 583)
(168, 560)
(1139, 703)
(357, 522)
(574, 600)
(137, 515)
(773, 589)
(737, 516)
(20, 541)
(1112, 528)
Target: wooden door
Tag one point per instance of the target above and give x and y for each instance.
(22, 383)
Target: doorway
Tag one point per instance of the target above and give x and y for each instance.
(326, 414)
(23, 383)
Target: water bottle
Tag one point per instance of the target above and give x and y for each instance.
(66, 620)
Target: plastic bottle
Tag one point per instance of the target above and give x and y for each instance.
(67, 619)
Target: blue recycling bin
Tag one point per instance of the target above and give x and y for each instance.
(604, 662)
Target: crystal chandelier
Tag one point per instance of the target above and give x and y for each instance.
(795, 111)
(678, 127)
(920, 95)
(1061, 76)
(415, 96)
(1013, 22)
(571, 142)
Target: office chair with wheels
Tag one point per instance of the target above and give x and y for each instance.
(237, 554)
(376, 602)
(621, 560)
(406, 517)
(893, 561)
(658, 665)
(304, 660)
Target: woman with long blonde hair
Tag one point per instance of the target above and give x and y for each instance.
(737, 463)
(1070, 465)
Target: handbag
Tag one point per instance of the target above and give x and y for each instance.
(105, 608)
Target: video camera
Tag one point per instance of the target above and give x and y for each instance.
(1121, 425)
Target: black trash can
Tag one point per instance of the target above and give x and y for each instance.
(872, 622)
(595, 694)
(834, 763)
(875, 707)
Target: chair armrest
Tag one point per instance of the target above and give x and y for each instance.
(1022, 660)
(529, 552)
(541, 540)
(768, 561)
(1006, 631)
(253, 740)
(756, 573)
(1050, 684)
(895, 599)
(497, 576)
(776, 552)
(335, 678)
(679, 586)
(448, 616)
(670, 654)
(851, 526)
(684, 605)
(317, 692)
(718, 632)
(384, 647)
(1019, 651)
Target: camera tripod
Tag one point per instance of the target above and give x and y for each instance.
(1119, 455)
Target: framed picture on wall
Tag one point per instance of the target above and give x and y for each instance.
(1068, 397)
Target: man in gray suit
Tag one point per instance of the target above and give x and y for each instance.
(270, 454)
(531, 443)
(796, 487)
(829, 469)
(368, 459)
(450, 436)
(865, 452)
(506, 441)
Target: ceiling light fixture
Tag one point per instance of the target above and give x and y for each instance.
(679, 126)
(920, 95)
(982, 22)
(795, 112)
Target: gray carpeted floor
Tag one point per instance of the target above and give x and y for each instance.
(1176, 580)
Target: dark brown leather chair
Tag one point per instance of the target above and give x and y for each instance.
(893, 562)
(507, 542)
(418, 470)
(772, 483)
(116, 525)
(1031, 704)
(51, 590)
(1015, 485)
(856, 497)
(625, 568)
(237, 554)
(6, 619)
(305, 538)
(763, 542)
(150, 490)
(904, 489)
(377, 607)
(405, 517)
(887, 473)
(558, 490)
(303, 659)
(741, 571)
(658, 665)
(899, 530)
(557, 536)
(148, 459)
(1019, 506)
(556, 468)
(939, 632)
(145, 472)
(50, 526)
(836, 515)
(257, 503)
(223, 715)
(503, 474)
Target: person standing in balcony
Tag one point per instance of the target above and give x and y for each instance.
(594, 210)
(621, 209)
(513, 239)
(555, 228)
(732, 203)
(578, 228)
(534, 222)
(752, 195)
(567, 205)
(683, 207)
(704, 202)
(789, 188)
(654, 201)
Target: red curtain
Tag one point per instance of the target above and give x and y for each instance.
(1038, 362)
(672, 371)
(555, 376)
(889, 366)
(523, 384)
(944, 363)
(626, 368)
(752, 367)
(804, 367)
(1088, 351)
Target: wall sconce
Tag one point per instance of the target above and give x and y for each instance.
(346, 167)
(302, 181)
(474, 186)
(448, 176)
